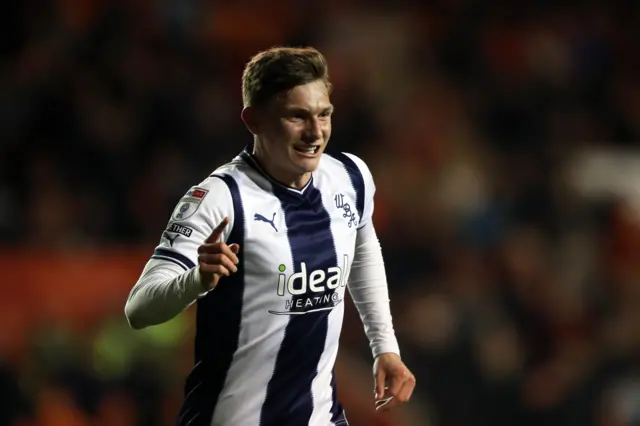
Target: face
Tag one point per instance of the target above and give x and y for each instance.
(294, 130)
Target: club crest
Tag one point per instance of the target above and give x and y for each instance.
(189, 204)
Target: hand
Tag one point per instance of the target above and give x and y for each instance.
(394, 382)
(215, 258)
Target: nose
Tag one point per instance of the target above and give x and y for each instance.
(313, 131)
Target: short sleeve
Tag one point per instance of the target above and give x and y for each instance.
(193, 219)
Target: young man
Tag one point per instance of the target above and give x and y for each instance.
(266, 246)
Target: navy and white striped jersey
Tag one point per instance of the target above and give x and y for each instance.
(267, 336)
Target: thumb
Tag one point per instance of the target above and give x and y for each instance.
(380, 379)
(235, 248)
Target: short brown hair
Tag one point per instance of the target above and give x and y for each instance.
(280, 69)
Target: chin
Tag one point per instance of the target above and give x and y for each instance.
(306, 164)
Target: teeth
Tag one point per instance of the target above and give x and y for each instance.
(311, 150)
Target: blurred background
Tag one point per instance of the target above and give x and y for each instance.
(503, 138)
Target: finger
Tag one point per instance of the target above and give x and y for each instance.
(214, 269)
(217, 259)
(215, 234)
(380, 388)
(211, 248)
(396, 384)
(235, 248)
(227, 251)
(404, 395)
(387, 404)
(215, 248)
(407, 390)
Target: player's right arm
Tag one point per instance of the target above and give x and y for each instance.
(191, 258)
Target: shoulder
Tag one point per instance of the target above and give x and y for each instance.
(222, 181)
(210, 189)
(355, 166)
(209, 193)
(357, 172)
(214, 193)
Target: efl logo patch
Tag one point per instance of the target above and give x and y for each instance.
(198, 193)
(188, 204)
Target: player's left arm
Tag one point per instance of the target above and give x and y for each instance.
(394, 383)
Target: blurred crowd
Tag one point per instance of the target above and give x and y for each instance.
(502, 138)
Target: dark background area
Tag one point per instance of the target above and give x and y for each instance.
(503, 140)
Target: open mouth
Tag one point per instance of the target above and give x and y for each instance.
(307, 150)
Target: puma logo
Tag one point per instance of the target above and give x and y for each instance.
(261, 218)
(168, 238)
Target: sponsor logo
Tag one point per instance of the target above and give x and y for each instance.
(174, 228)
(313, 291)
(180, 229)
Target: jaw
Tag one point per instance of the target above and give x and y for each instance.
(306, 162)
(290, 167)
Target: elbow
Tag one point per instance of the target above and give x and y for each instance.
(134, 317)
(135, 324)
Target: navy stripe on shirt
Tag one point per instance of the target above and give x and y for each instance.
(289, 399)
(177, 258)
(337, 412)
(217, 330)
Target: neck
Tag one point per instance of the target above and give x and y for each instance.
(279, 174)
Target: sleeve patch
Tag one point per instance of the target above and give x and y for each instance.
(176, 229)
(180, 229)
(188, 204)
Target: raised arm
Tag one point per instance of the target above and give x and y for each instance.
(190, 259)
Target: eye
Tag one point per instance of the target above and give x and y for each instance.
(296, 116)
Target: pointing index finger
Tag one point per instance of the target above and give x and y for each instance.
(215, 234)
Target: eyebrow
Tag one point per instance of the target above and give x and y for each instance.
(329, 108)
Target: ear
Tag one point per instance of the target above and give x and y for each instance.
(249, 116)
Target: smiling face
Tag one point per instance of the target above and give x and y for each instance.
(292, 131)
